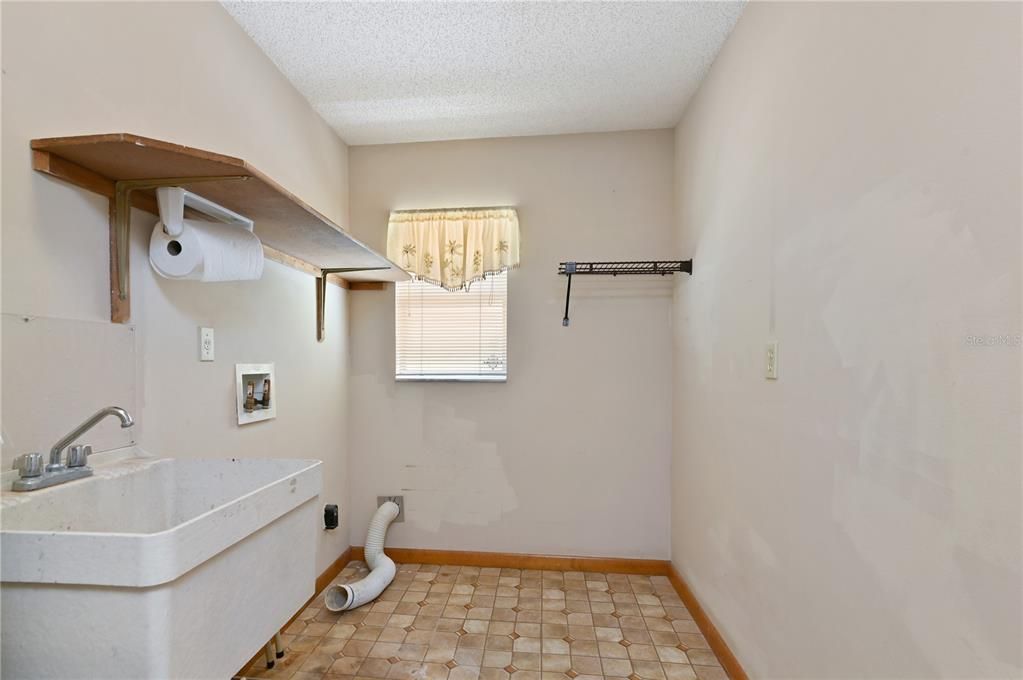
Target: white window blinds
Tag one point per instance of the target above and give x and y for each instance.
(452, 335)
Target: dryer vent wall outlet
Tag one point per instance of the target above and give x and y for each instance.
(400, 500)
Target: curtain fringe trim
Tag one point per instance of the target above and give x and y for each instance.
(465, 284)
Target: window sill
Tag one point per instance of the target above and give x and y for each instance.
(452, 378)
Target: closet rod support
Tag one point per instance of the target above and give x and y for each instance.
(569, 269)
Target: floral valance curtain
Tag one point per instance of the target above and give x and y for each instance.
(454, 248)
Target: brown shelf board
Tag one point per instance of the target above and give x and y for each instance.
(283, 222)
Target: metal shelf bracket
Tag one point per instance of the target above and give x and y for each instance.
(321, 294)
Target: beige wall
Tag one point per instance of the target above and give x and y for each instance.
(187, 73)
(570, 455)
(848, 182)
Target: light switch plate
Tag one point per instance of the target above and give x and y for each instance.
(205, 344)
(771, 369)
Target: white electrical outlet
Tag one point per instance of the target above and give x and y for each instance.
(205, 344)
(771, 369)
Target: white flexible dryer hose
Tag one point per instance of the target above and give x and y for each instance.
(339, 598)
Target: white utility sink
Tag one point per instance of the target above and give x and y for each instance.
(155, 567)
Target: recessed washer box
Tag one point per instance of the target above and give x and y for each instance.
(257, 374)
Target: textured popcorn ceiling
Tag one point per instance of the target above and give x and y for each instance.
(400, 72)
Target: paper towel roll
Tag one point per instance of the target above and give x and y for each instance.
(206, 251)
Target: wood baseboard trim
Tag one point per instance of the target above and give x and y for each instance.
(322, 581)
(717, 643)
(466, 558)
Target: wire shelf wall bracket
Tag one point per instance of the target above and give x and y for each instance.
(621, 268)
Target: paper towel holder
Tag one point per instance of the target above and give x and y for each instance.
(172, 202)
(120, 223)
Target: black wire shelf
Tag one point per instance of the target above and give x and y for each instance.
(661, 267)
(620, 268)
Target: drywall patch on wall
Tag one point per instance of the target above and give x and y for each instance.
(449, 474)
(460, 479)
(65, 367)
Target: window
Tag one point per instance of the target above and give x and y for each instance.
(451, 321)
(452, 335)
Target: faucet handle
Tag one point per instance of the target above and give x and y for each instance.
(29, 464)
(78, 455)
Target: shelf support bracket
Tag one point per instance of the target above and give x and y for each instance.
(120, 235)
(321, 294)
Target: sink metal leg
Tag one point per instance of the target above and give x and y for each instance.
(278, 645)
(268, 651)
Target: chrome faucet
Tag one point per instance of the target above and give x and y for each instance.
(33, 476)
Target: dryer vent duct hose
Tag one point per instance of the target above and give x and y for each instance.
(339, 598)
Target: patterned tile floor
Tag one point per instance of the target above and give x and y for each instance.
(467, 623)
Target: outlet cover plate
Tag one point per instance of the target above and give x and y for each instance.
(400, 500)
(771, 367)
(205, 344)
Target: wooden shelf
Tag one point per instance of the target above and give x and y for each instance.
(292, 232)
